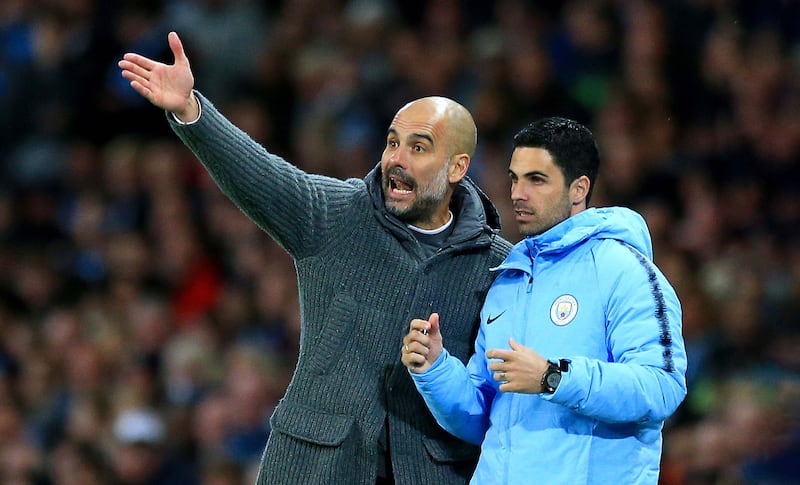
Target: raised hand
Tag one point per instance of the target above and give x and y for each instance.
(423, 344)
(167, 86)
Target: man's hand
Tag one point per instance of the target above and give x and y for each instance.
(519, 369)
(167, 86)
(423, 344)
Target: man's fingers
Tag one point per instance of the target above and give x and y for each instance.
(433, 320)
(501, 354)
(414, 354)
(139, 83)
(415, 342)
(134, 77)
(508, 387)
(138, 61)
(176, 46)
(414, 347)
(419, 325)
(136, 70)
(139, 88)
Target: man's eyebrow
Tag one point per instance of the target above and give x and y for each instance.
(422, 136)
(413, 136)
(532, 173)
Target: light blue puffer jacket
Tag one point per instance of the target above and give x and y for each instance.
(586, 290)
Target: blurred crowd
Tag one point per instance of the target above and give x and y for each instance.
(147, 328)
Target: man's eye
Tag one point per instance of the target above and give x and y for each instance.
(419, 148)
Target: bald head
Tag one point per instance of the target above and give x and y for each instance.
(429, 144)
(454, 119)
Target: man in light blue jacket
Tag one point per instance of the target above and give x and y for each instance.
(579, 358)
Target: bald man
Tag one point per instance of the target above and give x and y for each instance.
(415, 235)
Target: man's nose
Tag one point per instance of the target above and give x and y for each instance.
(516, 192)
(396, 158)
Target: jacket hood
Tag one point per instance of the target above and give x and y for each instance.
(471, 207)
(619, 223)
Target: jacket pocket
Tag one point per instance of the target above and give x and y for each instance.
(311, 425)
(451, 450)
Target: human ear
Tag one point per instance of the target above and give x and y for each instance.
(578, 190)
(458, 168)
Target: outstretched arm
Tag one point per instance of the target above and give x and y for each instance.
(167, 86)
(297, 209)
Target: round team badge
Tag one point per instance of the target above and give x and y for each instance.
(564, 310)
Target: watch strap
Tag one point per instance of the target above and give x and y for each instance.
(553, 367)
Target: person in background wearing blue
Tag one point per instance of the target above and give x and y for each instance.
(579, 358)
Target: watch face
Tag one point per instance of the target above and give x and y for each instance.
(553, 379)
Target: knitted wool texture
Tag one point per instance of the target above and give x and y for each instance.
(362, 277)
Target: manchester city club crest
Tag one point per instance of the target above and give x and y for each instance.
(563, 310)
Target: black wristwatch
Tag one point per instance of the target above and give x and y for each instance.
(552, 376)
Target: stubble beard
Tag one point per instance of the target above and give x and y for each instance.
(427, 199)
(550, 218)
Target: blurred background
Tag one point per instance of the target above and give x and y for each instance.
(147, 328)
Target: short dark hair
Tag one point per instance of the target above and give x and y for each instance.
(572, 146)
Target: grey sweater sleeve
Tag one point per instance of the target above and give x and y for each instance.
(295, 208)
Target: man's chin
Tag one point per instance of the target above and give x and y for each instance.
(411, 212)
(526, 230)
(407, 215)
(400, 211)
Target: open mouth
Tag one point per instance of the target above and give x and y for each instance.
(399, 187)
(398, 184)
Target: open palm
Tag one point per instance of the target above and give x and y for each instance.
(166, 86)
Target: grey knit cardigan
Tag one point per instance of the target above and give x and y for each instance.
(362, 277)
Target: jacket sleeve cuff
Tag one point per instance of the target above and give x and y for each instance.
(177, 120)
(433, 371)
